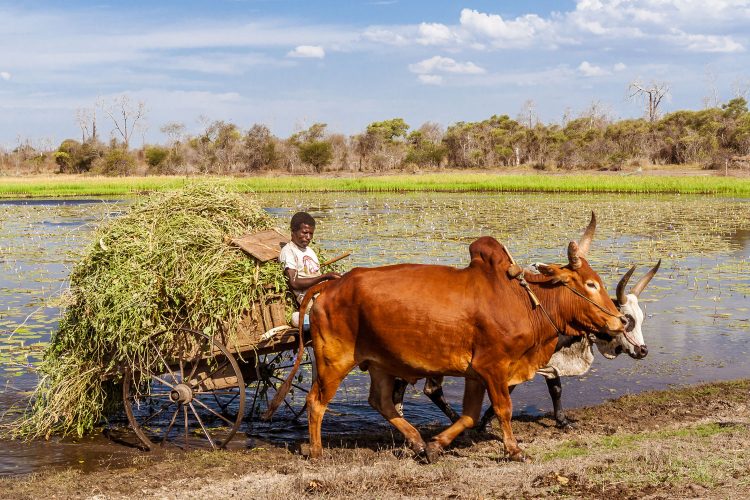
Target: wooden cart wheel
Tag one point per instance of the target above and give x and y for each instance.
(196, 399)
(271, 371)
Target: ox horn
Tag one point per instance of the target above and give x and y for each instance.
(622, 284)
(638, 288)
(574, 255)
(588, 235)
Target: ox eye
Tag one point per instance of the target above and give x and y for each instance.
(592, 284)
(630, 323)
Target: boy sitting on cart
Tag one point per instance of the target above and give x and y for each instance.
(301, 264)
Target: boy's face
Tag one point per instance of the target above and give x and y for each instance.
(303, 236)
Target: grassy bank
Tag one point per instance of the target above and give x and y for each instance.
(683, 443)
(59, 186)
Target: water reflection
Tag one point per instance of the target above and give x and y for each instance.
(741, 238)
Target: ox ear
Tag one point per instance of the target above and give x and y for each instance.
(574, 258)
(556, 273)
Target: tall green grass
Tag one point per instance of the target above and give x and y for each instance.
(456, 182)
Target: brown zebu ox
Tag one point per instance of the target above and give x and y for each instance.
(414, 321)
(573, 355)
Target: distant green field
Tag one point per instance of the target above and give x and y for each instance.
(57, 186)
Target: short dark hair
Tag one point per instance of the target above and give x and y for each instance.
(301, 218)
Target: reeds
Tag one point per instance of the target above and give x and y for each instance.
(438, 182)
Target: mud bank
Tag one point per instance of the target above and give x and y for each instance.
(687, 443)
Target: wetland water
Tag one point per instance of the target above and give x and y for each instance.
(697, 307)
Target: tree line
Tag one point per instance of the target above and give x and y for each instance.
(714, 137)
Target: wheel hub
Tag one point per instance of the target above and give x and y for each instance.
(182, 393)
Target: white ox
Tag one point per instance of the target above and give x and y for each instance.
(573, 355)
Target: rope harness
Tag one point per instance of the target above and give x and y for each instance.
(515, 272)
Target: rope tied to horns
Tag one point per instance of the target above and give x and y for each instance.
(515, 272)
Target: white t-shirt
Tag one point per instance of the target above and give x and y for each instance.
(305, 262)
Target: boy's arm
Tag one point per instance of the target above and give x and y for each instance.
(299, 284)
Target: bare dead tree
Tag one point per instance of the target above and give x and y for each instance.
(741, 87)
(174, 131)
(566, 117)
(142, 128)
(528, 115)
(432, 131)
(86, 119)
(651, 95)
(125, 116)
(597, 115)
(711, 99)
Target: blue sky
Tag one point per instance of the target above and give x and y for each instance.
(291, 63)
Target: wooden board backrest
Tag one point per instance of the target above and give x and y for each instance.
(263, 245)
(259, 319)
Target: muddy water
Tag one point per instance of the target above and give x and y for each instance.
(697, 307)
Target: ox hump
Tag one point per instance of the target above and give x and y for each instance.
(488, 253)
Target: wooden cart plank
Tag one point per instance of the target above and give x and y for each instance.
(264, 245)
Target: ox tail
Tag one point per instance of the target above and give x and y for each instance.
(284, 388)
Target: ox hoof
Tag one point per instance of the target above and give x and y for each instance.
(519, 456)
(418, 448)
(433, 452)
(400, 409)
(566, 425)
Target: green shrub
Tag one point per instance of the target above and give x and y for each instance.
(155, 155)
(64, 161)
(115, 162)
(72, 157)
(316, 153)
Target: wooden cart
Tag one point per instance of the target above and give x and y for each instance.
(207, 386)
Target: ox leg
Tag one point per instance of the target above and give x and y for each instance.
(489, 413)
(321, 393)
(555, 392)
(472, 406)
(501, 403)
(381, 398)
(399, 389)
(433, 388)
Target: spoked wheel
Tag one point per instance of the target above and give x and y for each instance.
(194, 399)
(270, 373)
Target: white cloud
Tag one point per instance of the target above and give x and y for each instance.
(620, 66)
(706, 43)
(662, 12)
(385, 36)
(5, 75)
(654, 16)
(219, 63)
(431, 79)
(588, 69)
(445, 65)
(308, 51)
(520, 30)
(435, 34)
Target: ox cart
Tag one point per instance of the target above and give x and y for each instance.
(207, 385)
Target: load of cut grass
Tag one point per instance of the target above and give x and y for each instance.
(163, 265)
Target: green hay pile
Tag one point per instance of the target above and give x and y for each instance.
(164, 264)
